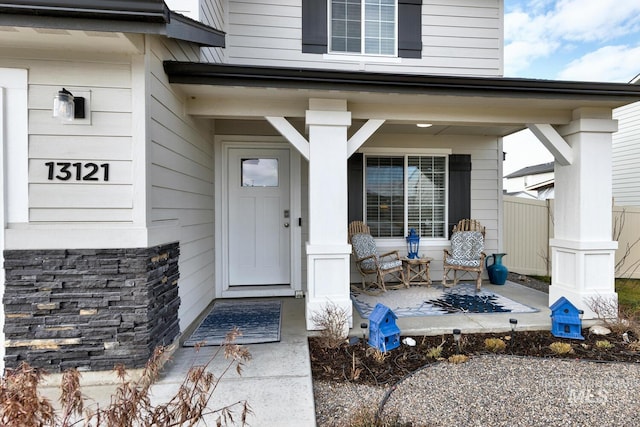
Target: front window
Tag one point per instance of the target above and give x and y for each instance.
(364, 26)
(404, 192)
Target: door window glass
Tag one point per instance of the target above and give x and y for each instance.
(259, 172)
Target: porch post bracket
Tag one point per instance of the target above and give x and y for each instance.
(361, 136)
(292, 135)
(554, 142)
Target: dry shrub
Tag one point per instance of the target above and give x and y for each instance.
(560, 348)
(494, 345)
(21, 404)
(614, 317)
(458, 358)
(434, 352)
(376, 354)
(332, 321)
(366, 417)
(604, 345)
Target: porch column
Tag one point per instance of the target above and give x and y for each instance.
(583, 254)
(328, 253)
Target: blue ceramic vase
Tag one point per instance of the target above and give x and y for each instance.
(497, 271)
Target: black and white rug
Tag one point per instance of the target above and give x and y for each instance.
(258, 321)
(437, 300)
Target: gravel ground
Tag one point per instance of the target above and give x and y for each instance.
(496, 391)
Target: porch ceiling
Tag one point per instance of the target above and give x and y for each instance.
(454, 105)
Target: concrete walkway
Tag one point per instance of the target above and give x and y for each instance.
(277, 382)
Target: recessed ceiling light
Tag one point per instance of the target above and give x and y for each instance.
(424, 125)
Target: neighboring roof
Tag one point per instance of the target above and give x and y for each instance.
(134, 16)
(522, 194)
(542, 185)
(532, 170)
(282, 77)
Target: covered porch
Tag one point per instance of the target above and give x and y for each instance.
(328, 116)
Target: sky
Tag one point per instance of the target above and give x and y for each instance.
(580, 40)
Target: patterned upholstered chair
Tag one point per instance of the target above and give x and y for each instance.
(382, 267)
(467, 251)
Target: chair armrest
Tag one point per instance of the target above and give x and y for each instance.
(390, 253)
(446, 252)
(364, 258)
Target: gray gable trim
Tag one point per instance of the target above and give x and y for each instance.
(533, 170)
(132, 16)
(251, 76)
(184, 28)
(135, 10)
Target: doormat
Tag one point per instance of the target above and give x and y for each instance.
(437, 300)
(258, 321)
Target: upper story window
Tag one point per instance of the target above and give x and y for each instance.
(364, 27)
(391, 28)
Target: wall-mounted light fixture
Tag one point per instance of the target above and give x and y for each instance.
(67, 107)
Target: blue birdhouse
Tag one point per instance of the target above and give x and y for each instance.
(565, 320)
(384, 334)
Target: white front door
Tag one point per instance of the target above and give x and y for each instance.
(259, 217)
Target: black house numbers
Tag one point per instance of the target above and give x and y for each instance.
(77, 171)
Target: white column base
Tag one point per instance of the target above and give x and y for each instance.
(583, 272)
(328, 282)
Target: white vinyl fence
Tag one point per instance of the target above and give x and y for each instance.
(528, 226)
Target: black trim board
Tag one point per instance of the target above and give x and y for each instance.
(459, 189)
(133, 16)
(135, 10)
(314, 26)
(303, 78)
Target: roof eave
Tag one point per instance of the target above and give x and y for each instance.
(136, 16)
(281, 77)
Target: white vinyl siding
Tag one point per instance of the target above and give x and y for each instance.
(180, 173)
(209, 12)
(106, 140)
(212, 13)
(463, 37)
(626, 156)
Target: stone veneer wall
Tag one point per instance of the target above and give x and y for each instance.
(90, 309)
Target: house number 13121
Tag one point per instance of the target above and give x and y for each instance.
(65, 171)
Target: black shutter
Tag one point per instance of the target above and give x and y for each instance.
(409, 28)
(314, 26)
(459, 188)
(355, 187)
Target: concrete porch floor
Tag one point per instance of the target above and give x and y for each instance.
(277, 382)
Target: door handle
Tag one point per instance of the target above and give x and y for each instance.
(286, 225)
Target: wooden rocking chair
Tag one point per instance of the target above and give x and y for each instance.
(467, 251)
(369, 263)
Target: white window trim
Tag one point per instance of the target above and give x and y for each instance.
(352, 56)
(395, 242)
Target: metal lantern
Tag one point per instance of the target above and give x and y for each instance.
(413, 243)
